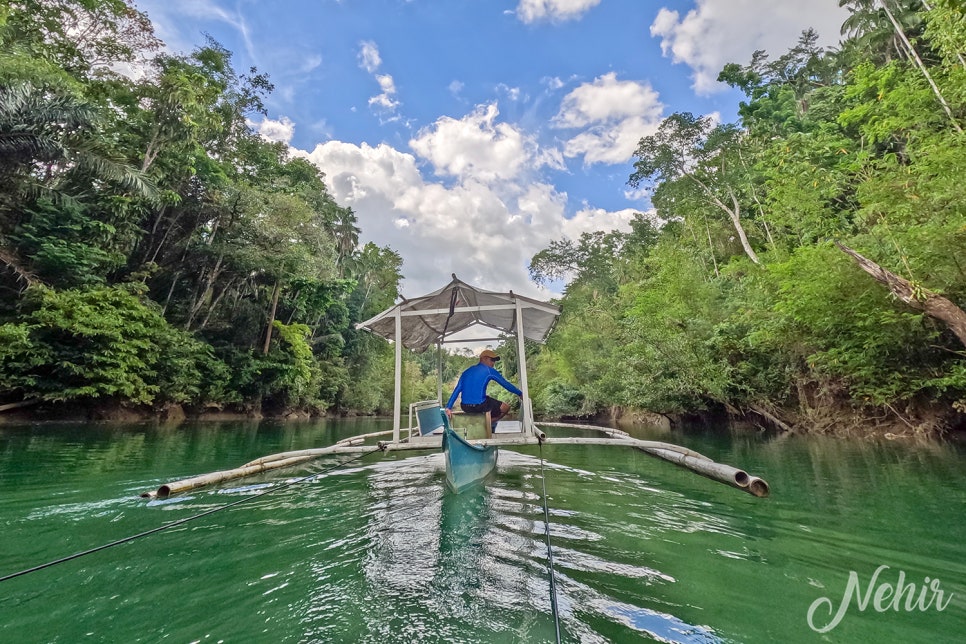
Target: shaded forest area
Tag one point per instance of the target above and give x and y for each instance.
(802, 269)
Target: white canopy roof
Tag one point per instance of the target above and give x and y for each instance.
(456, 307)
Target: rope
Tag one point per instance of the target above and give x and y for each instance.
(77, 555)
(439, 344)
(546, 523)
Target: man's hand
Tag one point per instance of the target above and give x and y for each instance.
(449, 413)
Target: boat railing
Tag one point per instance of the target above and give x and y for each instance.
(428, 419)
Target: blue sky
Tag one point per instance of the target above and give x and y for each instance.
(469, 134)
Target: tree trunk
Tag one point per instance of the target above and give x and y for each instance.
(214, 304)
(206, 288)
(22, 403)
(734, 214)
(922, 299)
(714, 261)
(167, 301)
(271, 317)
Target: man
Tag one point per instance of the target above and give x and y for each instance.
(472, 389)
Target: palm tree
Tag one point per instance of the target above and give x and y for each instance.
(869, 27)
(871, 19)
(47, 137)
(50, 149)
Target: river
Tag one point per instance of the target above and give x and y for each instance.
(376, 551)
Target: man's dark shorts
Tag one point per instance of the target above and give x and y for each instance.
(491, 405)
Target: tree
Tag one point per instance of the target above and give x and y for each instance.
(696, 152)
(106, 342)
(872, 32)
(87, 39)
(346, 235)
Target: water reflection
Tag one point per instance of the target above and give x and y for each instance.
(378, 551)
(459, 558)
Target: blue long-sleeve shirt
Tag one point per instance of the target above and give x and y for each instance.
(473, 382)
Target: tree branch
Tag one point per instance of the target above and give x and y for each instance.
(13, 263)
(918, 297)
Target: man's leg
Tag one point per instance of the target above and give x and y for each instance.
(497, 414)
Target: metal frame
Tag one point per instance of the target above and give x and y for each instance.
(515, 303)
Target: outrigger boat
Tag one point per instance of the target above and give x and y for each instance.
(448, 315)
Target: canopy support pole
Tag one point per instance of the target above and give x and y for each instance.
(397, 396)
(526, 421)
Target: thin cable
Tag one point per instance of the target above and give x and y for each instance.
(77, 555)
(546, 523)
(439, 344)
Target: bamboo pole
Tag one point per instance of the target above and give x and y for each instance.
(678, 455)
(670, 452)
(257, 466)
(603, 430)
(758, 486)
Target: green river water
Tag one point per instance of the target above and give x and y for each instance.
(377, 551)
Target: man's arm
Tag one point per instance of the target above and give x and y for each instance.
(506, 384)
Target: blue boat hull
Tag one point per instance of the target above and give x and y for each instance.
(466, 464)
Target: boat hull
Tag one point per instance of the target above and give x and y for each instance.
(466, 464)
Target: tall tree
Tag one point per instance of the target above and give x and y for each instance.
(696, 151)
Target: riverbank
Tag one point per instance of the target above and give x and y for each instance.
(115, 412)
(841, 421)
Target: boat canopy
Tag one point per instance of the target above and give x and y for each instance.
(422, 322)
(430, 319)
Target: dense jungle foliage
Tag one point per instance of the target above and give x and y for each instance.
(154, 249)
(802, 268)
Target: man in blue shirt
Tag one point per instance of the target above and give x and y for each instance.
(472, 389)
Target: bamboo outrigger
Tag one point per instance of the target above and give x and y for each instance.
(438, 318)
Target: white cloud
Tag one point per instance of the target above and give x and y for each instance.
(466, 229)
(512, 93)
(369, 58)
(589, 220)
(385, 100)
(280, 131)
(310, 63)
(613, 116)
(610, 143)
(478, 147)
(715, 33)
(484, 231)
(552, 82)
(386, 83)
(529, 11)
